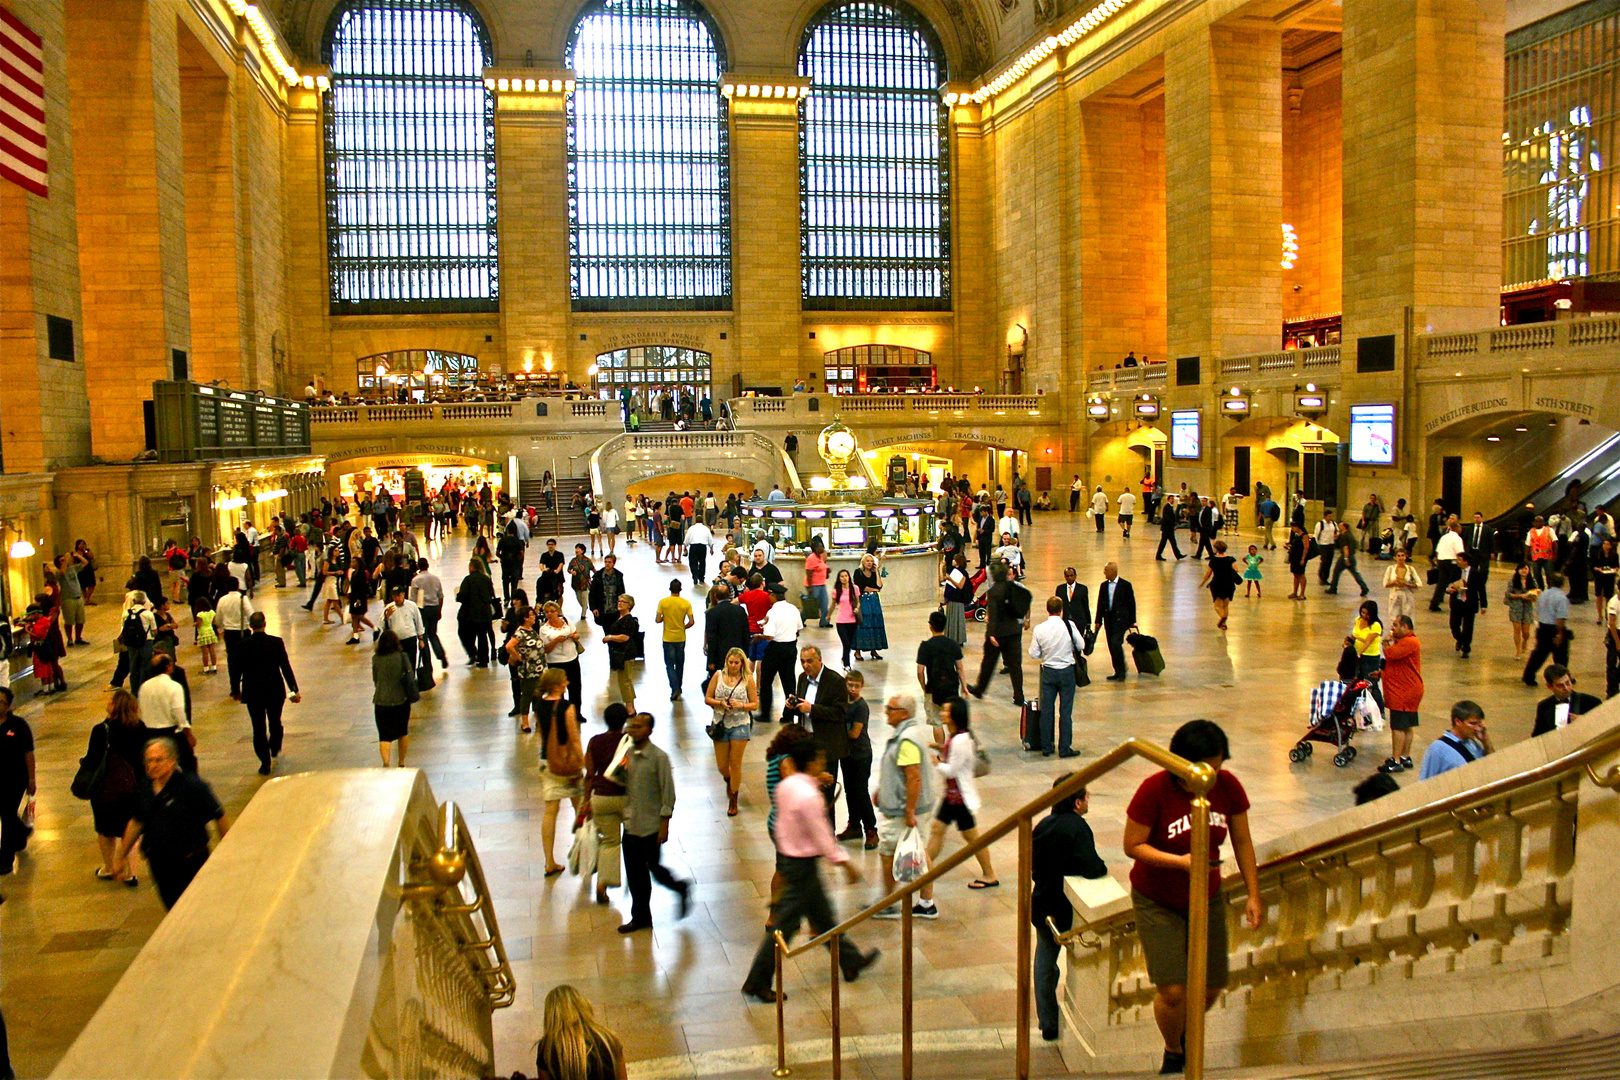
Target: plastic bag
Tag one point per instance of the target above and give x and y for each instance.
(582, 855)
(910, 857)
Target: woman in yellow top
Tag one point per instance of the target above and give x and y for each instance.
(1367, 639)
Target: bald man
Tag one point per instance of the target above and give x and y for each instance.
(1116, 615)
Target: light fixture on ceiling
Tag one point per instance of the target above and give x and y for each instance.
(21, 549)
(1493, 438)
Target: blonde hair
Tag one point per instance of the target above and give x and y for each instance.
(738, 655)
(573, 1037)
(553, 679)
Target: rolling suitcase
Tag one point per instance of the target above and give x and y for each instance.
(1145, 652)
(1029, 725)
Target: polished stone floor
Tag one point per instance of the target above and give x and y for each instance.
(672, 994)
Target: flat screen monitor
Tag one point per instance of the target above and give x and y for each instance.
(849, 535)
(1372, 434)
(1184, 439)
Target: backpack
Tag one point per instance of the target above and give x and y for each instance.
(133, 633)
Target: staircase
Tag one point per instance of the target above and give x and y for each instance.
(564, 520)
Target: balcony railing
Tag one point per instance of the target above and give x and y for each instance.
(529, 411)
(778, 409)
(1533, 337)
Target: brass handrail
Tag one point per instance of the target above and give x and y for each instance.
(457, 860)
(1581, 757)
(1198, 777)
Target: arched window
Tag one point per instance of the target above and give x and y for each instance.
(874, 158)
(410, 159)
(649, 182)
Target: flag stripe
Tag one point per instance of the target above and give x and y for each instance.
(27, 183)
(23, 146)
(12, 23)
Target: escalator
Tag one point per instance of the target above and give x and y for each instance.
(1593, 479)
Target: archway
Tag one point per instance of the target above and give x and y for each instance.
(660, 382)
(414, 374)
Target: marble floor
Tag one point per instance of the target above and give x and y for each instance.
(672, 994)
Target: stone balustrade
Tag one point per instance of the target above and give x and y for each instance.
(1529, 338)
(631, 457)
(553, 412)
(1389, 923)
(806, 408)
(313, 944)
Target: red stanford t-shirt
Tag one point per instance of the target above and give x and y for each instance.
(1166, 810)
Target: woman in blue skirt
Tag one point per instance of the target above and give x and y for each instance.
(870, 635)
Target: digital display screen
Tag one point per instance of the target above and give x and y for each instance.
(849, 534)
(1372, 434)
(1184, 435)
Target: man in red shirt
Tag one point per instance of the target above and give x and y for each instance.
(756, 601)
(1403, 691)
(300, 553)
(687, 504)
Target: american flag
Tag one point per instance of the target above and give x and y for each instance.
(22, 105)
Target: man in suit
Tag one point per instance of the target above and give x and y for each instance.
(1169, 518)
(822, 700)
(1006, 619)
(1116, 615)
(1464, 590)
(1479, 539)
(725, 627)
(1562, 685)
(1076, 603)
(1208, 523)
(267, 675)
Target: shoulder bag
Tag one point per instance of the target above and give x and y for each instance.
(1082, 677)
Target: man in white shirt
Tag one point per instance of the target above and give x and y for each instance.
(1446, 550)
(1127, 511)
(1053, 644)
(698, 539)
(781, 633)
(405, 620)
(1007, 525)
(1099, 506)
(1326, 535)
(163, 708)
(231, 616)
(610, 525)
(427, 591)
(1076, 489)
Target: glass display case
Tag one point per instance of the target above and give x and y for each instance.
(896, 526)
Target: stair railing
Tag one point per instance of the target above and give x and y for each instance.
(1198, 777)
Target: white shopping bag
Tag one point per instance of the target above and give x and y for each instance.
(910, 857)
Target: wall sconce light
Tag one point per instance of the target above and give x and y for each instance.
(22, 549)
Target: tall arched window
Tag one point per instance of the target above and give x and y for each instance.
(649, 181)
(410, 159)
(874, 157)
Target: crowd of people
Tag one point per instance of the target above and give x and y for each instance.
(760, 665)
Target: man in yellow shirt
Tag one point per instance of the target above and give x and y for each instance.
(675, 612)
(908, 794)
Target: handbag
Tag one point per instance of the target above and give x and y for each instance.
(1082, 677)
(88, 780)
(618, 770)
(582, 854)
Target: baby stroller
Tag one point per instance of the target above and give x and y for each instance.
(1338, 711)
(978, 608)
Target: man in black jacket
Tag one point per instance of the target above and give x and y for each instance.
(1169, 515)
(1479, 540)
(267, 676)
(821, 698)
(1076, 603)
(1007, 617)
(476, 607)
(725, 627)
(1116, 614)
(1562, 685)
(1063, 847)
(607, 585)
(1207, 523)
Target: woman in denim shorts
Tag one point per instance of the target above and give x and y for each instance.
(733, 696)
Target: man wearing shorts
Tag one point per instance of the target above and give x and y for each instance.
(908, 792)
(593, 523)
(67, 576)
(1403, 691)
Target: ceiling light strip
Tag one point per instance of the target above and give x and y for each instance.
(1049, 45)
(265, 34)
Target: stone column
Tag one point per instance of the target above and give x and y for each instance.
(765, 214)
(124, 74)
(1223, 192)
(213, 236)
(308, 282)
(531, 152)
(1422, 166)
